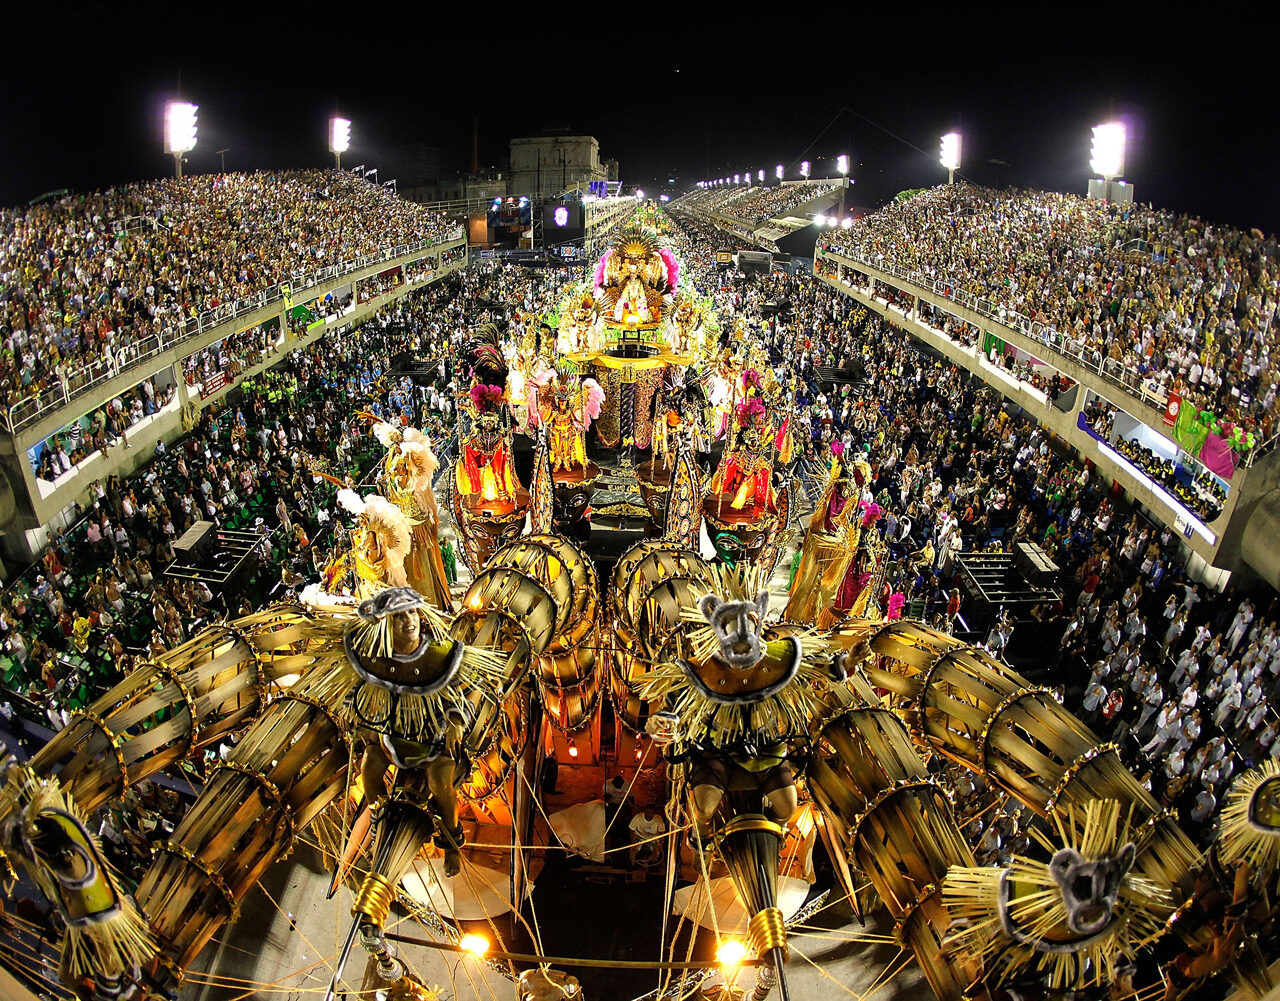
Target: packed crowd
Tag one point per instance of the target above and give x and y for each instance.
(105, 428)
(86, 278)
(1152, 298)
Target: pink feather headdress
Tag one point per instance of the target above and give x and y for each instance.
(750, 411)
(486, 398)
(673, 267)
(593, 401)
(600, 266)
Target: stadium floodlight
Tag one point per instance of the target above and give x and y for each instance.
(339, 138)
(640, 194)
(949, 155)
(842, 163)
(1108, 150)
(179, 131)
(760, 175)
(778, 172)
(737, 178)
(804, 169)
(846, 222)
(819, 220)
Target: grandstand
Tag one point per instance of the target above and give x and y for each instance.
(109, 293)
(759, 215)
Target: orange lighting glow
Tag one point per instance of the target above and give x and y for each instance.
(731, 952)
(477, 945)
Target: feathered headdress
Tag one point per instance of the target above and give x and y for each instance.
(486, 399)
(751, 412)
(483, 355)
(420, 456)
(672, 266)
(539, 383)
(388, 435)
(592, 400)
(382, 516)
(600, 267)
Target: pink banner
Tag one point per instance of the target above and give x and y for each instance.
(1217, 456)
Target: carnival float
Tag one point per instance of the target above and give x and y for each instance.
(406, 731)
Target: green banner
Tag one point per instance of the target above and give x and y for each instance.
(1189, 432)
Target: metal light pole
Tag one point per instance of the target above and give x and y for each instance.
(222, 160)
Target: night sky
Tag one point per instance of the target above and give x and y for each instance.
(1024, 91)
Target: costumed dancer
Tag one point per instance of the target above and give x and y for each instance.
(380, 544)
(567, 407)
(484, 466)
(746, 470)
(410, 469)
(833, 576)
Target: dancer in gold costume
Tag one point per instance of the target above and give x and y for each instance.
(830, 580)
(567, 406)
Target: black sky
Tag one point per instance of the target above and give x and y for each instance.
(669, 94)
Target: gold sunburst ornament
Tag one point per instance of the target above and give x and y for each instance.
(1073, 917)
(710, 697)
(416, 693)
(1251, 821)
(107, 939)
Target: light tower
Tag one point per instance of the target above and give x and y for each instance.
(179, 132)
(842, 165)
(950, 155)
(1107, 157)
(804, 169)
(778, 172)
(339, 139)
